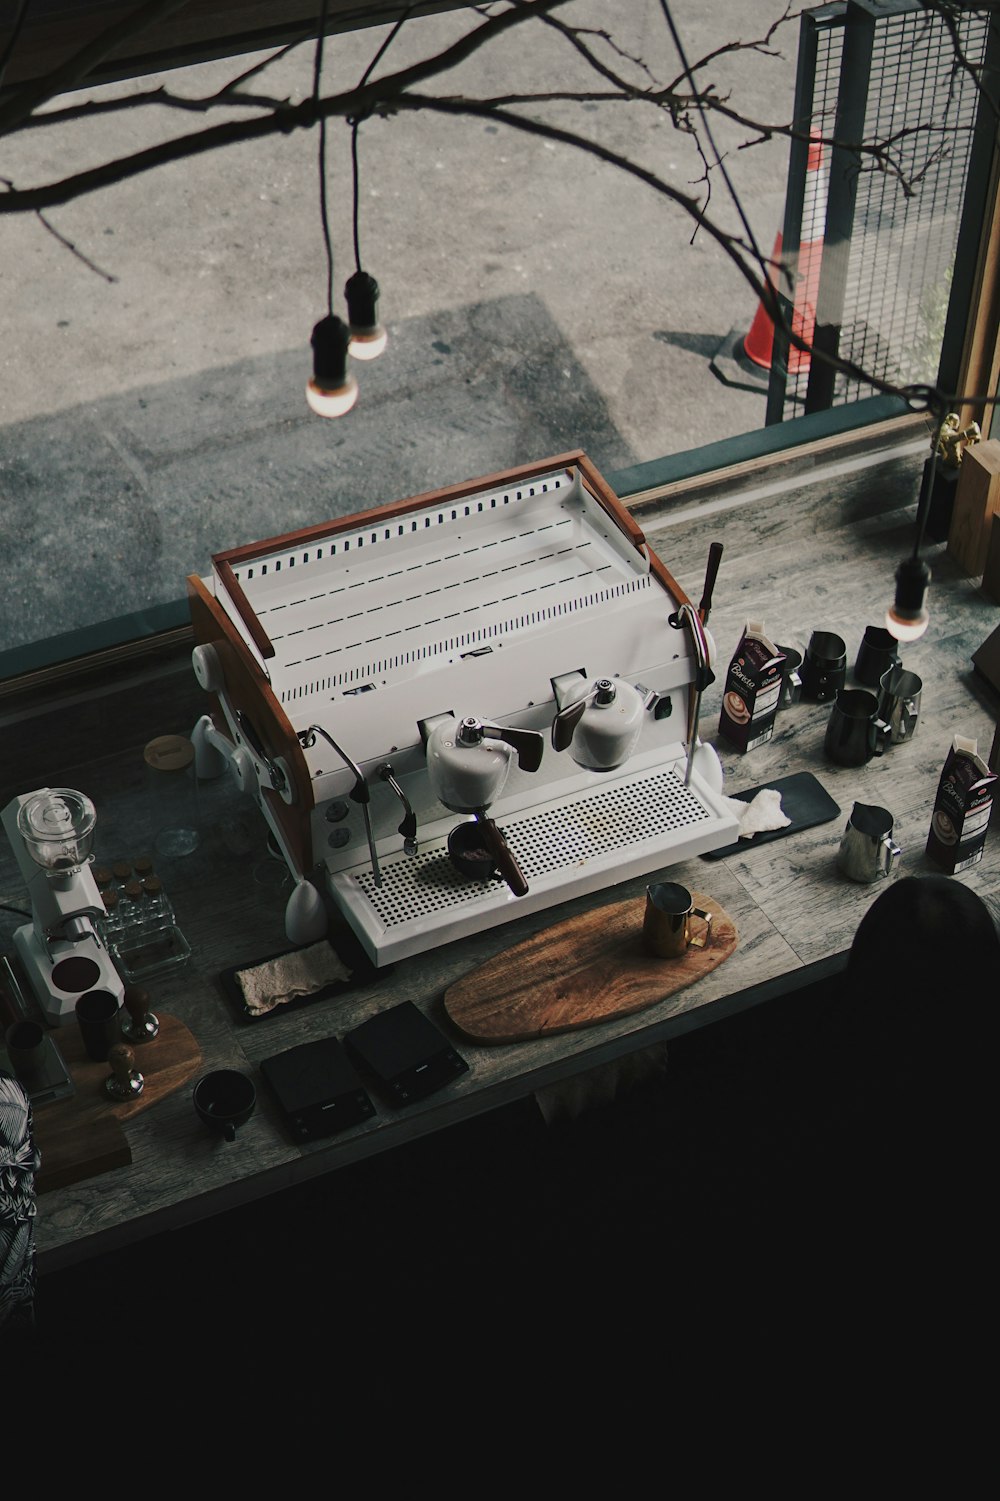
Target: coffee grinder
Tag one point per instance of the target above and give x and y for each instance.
(51, 832)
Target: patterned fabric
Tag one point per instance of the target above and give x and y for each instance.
(19, 1162)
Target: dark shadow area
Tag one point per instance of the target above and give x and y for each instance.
(704, 345)
(110, 506)
(502, 1237)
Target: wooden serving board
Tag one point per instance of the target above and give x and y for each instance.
(82, 1136)
(580, 972)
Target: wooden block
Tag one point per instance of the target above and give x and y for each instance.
(991, 571)
(977, 501)
(70, 1154)
(83, 1136)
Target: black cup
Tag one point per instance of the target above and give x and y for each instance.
(224, 1100)
(855, 732)
(878, 652)
(98, 1014)
(824, 666)
(25, 1041)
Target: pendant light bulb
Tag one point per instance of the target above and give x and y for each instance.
(368, 337)
(331, 390)
(907, 618)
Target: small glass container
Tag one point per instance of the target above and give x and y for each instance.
(158, 909)
(170, 778)
(110, 924)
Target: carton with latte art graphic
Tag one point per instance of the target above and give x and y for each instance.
(962, 808)
(753, 683)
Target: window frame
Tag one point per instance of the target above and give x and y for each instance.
(757, 457)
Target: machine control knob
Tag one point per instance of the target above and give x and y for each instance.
(208, 669)
(244, 771)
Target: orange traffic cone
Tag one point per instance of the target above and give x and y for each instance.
(758, 344)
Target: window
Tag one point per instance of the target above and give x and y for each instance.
(537, 300)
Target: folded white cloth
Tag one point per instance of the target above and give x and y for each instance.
(302, 972)
(761, 813)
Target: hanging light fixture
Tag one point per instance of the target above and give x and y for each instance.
(331, 390)
(368, 337)
(907, 617)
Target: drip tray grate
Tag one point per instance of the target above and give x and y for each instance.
(586, 828)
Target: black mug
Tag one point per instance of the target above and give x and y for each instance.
(824, 666)
(25, 1041)
(855, 732)
(225, 1100)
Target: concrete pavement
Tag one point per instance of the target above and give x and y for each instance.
(152, 410)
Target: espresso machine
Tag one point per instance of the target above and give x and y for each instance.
(461, 707)
(51, 832)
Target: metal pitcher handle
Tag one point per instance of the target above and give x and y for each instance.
(706, 917)
(890, 853)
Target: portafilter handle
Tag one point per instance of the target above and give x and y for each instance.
(498, 847)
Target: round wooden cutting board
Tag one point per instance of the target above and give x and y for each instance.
(580, 972)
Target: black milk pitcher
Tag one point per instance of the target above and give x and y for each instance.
(855, 731)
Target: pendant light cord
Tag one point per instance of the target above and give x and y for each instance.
(323, 210)
(355, 121)
(929, 475)
(354, 169)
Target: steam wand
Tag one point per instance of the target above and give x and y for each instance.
(361, 792)
(408, 828)
(704, 676)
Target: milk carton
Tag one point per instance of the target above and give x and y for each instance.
(753, 683)
(962, 808)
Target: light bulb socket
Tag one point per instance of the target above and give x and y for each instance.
(368, 337)
(361, 292)
(908, 617)
(330, 339)
(331, 391)
(913, 578)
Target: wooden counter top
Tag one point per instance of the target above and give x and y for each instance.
(821, 556)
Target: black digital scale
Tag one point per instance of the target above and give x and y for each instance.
(404, 1052)
(317, 1088)
(321, 1085)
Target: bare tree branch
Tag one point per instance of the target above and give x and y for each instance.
(690, 106)
(76, 68)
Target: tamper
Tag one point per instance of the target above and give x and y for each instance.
(142, 1025)
(125, 1082)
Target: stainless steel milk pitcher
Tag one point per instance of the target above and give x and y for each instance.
(899, 704)
(868, 851)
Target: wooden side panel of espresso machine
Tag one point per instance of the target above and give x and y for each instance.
(247, 689)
